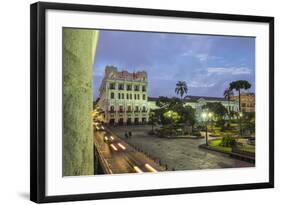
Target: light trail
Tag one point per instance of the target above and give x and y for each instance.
(137, 169)
(121, 146)
(150, 168)
(113, 147)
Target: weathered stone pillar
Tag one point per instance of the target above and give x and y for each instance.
(79, 46)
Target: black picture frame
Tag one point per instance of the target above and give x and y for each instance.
(38, 100)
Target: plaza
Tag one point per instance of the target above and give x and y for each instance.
(178, 153)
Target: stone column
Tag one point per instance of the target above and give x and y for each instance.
(79, 47)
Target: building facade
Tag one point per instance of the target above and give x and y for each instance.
(124, 98)
(248, 101)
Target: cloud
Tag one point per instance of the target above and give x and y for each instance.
(196, 84)
(200, 56)
(229, 70)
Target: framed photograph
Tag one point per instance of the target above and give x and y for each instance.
(129, 102)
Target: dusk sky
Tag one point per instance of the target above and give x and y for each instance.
(207, 63)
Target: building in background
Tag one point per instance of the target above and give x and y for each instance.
(248, 101)
(124, 98)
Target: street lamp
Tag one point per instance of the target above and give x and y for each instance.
(210, 115)
(205, 117)
(240, 122)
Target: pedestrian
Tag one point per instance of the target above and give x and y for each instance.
(126, 135)
(130, 134)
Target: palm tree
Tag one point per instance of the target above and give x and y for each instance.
(227, 95)
(181, 88)
(238, 85)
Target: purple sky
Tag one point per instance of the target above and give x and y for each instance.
(207, 63)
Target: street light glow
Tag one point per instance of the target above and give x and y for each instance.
(204, 115)
(210, 114)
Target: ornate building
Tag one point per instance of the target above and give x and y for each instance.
(123, 97)
(248, 101)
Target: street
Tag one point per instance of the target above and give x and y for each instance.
(119, 157)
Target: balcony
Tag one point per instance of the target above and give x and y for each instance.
(121, 111)
(111, 111)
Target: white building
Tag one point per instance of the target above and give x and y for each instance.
(123, 97)
(124, 100)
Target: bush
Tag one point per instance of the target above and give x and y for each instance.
(228, 141)
(196, 133)
(216, 134)
(152, 132)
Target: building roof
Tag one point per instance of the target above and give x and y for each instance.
(196, 98)
(191, 98)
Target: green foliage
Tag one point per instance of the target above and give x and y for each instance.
(196, 133)
(152, 119)
(239, 84)
(228, 141)
(216, 108)
(228, 93)
(170, 106)
(171, 116)
(181, 88)
(215, 144)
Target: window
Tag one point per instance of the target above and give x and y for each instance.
(136, 108)
(135, 96)
(136, 88)
(129, 109)
(122, 95)
(143, 96)
(121, 86)
(143, 88)
(112, 95)
(112, 86)
(119, 96)
(127, 96)
(111, 108)
(138, 96)
(143, 109)
(120, 108)
(129, 87)
(131, 96)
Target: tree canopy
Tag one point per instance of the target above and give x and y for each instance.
(181, 88)
(216, 108)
